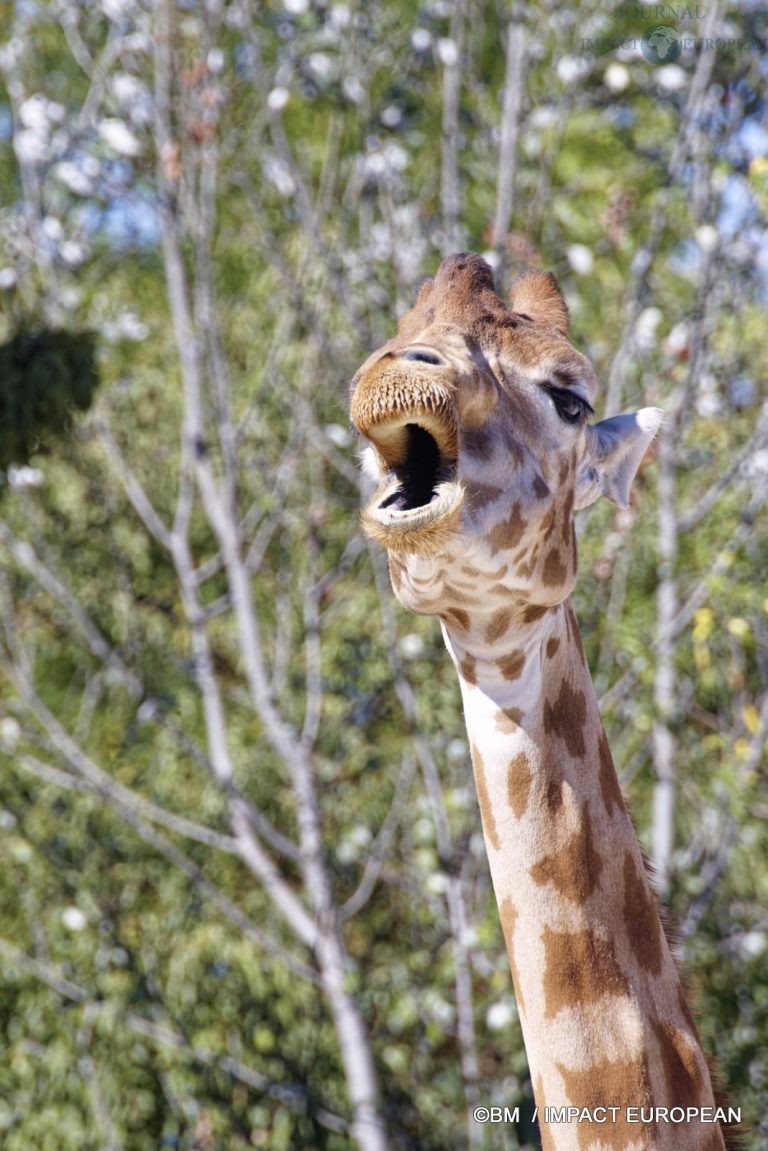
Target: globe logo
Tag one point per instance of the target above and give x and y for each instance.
(660, 45)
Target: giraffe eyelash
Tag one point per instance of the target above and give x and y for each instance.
(565, 398)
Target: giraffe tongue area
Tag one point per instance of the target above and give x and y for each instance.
(419, 507)
(419, 473)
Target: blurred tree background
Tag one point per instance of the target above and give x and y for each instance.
(242, 879)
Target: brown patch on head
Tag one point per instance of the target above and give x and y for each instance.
(553, 643)
(641, 917)
(498, 625)
(682, 1071)
(574, 871)
(480, 495)
(623, 1083)
(540, 489)
(477, 442)
(519, 779)
(566, 716)
(468, 669)
(609, 783)
(565, 471)
(580, 968)
(507, 533)
(508, 719)
(455, 615)
(484, 799)
(555, 572)
(511, 666)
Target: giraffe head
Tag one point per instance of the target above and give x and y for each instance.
(477, 417)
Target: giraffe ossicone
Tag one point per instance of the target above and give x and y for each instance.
(477, 420)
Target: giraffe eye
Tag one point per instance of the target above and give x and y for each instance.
(569, 405)
(422, 357)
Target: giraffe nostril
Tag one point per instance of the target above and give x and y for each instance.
(422, 357)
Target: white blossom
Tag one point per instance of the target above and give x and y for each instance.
(447, 52)
(706, 237)
(73, 253)
(117, 9)
(645, 328)
(73, 919)
(31, 146)
(754, 943)
(421, 39)
(353, 89)
(118, 136)
(571, 69)
(73, 177)
(411, 646)
(277, 99)
(672, 78)
(616, 77)
(500, 1015)
(340, 16)
(24, 477)
(33, 113)
(391, 116)
(215, 61)
(8, 279)
(296, 7)
(322, 66)
(580, 258)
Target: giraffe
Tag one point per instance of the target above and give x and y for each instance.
(477, 420)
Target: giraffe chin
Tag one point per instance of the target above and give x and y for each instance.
(422, 531)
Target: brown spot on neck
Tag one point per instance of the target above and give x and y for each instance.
(566, 717)
(484, 800)
(498, 625)
(511, 666)
(681, 1067)
(456, 616)
(468, 669)
(580, 967)
(555, 571)
(553, 643)
(621, 1083)
(641, 917)
(574, 871)
(508, 719)
(534, 612)
(609, 783)
(519, 779)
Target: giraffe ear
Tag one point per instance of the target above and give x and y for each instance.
(536, 294)
(615, 449)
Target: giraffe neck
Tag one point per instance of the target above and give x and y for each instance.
(603, 1013)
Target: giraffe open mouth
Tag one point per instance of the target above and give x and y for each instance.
(419, 507)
